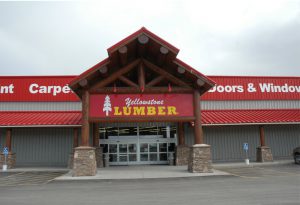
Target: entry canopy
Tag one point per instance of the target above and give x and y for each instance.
(148, 54)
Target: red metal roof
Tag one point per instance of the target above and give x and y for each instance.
(209, 117)
(40, 118)
(272, 116)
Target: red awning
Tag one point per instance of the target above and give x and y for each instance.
(209, 117)
(240, 117)
(40, 118)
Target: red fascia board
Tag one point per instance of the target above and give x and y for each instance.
(183, 64)
(87, 72)
(136, 34)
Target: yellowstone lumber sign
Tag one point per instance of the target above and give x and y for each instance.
(141, 105)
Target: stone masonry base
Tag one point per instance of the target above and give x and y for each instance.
(182, 155)
(200, 159)
(10, 161)
(264, 154)
(84, 162)
(99, 157)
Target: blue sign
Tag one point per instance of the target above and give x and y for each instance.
(245, 146)
(5, 150)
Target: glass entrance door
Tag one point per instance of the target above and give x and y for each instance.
(150, 145)
(122, 153)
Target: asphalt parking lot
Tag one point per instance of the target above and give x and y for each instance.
(250, 172)
(264, 171)
(27, 178)
(265, 185)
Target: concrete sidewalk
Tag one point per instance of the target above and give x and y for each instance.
(161, 171)
(147, 171)
(140, 172)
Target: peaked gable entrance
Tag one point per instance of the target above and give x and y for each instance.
(140, 81)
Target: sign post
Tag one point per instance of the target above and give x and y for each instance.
(5, 152)
(246, 147)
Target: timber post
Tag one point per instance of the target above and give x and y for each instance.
(263, 152)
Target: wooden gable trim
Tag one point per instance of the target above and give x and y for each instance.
(116, 75)
(155, 81)
(127, 81)
(164, 73)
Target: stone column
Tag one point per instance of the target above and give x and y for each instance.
(263, 152)
(200, 159)
(182, 155)
(199, 155)
(84, 161)
(84, 156)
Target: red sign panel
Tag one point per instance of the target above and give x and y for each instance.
(56, 89)
(141, 105)
(36, 88)
(254, 88)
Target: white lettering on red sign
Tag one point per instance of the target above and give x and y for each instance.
(138, 101)
(50, 89)
(270, 87)
(263, 87)
(7, 89)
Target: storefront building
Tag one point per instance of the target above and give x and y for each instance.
(142, 105)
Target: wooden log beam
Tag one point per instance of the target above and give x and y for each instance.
(143, 119)
(162, 55)
(180, 70)
(85, 129)
(75, 137)
(262, 136)
(155, 81)
(116, 75)
(200, 82)
(197, 126)
(95, 135)
(103, 70)
(8, 138)
(126, 90)
(164, 73)
(127, 81)
(142, 45)
(123, 55)
(83, 83)
(141, 78)
(180, 133)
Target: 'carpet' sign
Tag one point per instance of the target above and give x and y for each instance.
(141, 105)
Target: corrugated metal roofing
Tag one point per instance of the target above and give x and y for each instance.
(272, 116)
(209, 117)
(40, 118)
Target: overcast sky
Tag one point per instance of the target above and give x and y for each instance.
(225, 37)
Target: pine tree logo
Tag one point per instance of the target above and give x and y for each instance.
(107, 105)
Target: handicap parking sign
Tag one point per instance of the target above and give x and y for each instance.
(245, 146)
(5, 150)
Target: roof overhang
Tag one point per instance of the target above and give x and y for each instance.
(136, 44)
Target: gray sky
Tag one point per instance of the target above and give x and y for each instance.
(232, 37)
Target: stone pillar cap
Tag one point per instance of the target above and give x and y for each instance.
(84, 148)
(201, 145)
